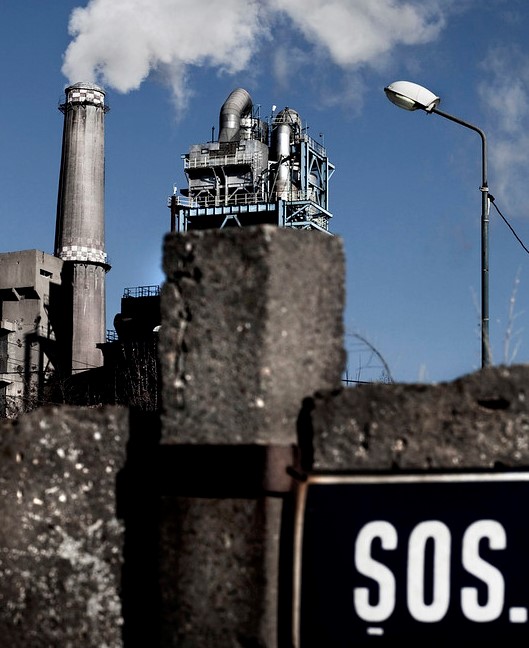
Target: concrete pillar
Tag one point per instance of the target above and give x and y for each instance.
(252, 324)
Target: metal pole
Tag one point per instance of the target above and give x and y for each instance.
(173, 213)
(485, 340)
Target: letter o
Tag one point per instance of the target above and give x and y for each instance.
(418, 608)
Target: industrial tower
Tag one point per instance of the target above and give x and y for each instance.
(259, 171)
(80, 227)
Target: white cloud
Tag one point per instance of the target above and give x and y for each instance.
(287, 63)
(357, 32)
(505, 94)
(120, 42)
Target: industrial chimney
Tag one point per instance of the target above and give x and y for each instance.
(80, 227)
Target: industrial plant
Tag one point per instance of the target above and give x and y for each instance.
(258, 171)
(52, 308)
(53, 341)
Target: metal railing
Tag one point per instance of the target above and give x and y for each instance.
(142, 291)
(208, 160)
(247, 198)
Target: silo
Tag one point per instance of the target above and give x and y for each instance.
(80, 227)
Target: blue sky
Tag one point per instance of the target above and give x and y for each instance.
(405, 195)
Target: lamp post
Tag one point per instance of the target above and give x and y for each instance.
(412, 96)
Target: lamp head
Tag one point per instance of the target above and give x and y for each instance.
(411, 96)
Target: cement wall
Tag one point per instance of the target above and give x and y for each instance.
(61, 541)
(480, 421)
(124, 530)
(32, 300)
(22, 270)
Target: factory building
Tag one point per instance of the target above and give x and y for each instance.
(258, 171)
(53, 342)
(52, 308)
(32, 329)
(130, 372)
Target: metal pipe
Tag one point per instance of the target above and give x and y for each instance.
(238, 104)
(285, 122)
(485, 338)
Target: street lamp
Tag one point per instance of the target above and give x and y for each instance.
(412, 96)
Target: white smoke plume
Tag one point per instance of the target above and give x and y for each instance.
(119, 43)
(508, 134)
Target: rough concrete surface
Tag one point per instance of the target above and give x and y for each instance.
(479, 421)
(60, 540)
(218, 586)
(252, 324)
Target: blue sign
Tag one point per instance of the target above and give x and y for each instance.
(411, 558)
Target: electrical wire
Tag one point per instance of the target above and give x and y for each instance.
(493, 201)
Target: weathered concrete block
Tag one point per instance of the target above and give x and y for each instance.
(219, 561)
(60, 541)
(478, 421)
(252, 324)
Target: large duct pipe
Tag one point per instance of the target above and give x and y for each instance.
(285, 123)
(80, 227)
(238, 104)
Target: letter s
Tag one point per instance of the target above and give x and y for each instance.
(491, 576)
(371, 568)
